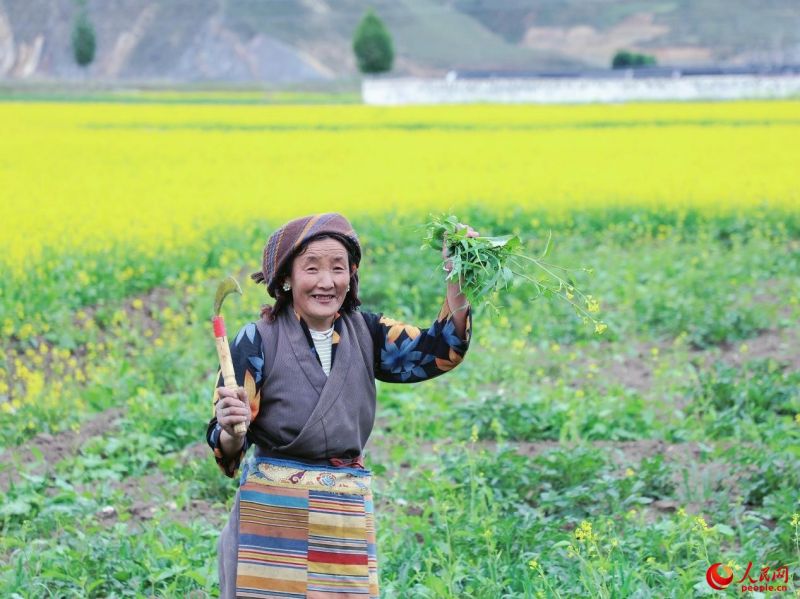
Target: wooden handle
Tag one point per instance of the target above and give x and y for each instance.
(228, 376)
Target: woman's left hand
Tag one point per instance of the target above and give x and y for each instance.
(448, 264)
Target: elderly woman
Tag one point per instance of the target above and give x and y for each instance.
(302, 523)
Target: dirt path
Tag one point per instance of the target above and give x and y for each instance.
(53, 448)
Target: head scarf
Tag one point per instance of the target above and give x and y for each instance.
(284, 243)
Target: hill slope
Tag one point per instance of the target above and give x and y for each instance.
(280, 41)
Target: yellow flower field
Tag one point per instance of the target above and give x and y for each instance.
(93, 175)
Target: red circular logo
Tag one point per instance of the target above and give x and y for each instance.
(719, 580)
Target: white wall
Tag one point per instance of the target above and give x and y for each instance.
(388, 92)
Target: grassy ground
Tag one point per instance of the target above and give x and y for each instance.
(553, 462)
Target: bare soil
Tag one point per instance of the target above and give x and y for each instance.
(154, 492)
(53, 448)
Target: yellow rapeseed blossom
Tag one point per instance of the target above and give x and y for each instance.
(156, 177)
(584, 532)
(700, 524)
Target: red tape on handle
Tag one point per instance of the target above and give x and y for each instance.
(219, 326)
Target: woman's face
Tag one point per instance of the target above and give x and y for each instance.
(319, 280)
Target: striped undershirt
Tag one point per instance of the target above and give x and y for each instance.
(323, 341)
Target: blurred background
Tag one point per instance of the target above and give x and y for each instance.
(280, 42)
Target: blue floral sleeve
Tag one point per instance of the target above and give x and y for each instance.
(408, 354)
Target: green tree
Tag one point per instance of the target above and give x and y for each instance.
(372, 45)
(84, 40)
(624, 59)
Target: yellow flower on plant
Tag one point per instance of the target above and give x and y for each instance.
(700, 524)
(584, 532)
(533, 564)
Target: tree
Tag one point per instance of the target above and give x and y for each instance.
(83, 37)
(625, 60)
(372, 45)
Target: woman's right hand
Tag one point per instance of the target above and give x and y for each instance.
(232, 408)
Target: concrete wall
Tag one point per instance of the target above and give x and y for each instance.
(389, 92)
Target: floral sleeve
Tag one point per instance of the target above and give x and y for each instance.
(248, 365)
(407, 354)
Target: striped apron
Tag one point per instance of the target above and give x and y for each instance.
(305, 531)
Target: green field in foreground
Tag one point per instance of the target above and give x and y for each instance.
(552, 463)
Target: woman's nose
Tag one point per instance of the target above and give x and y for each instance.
(325, 279)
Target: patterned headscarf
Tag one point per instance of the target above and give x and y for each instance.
(284, 242)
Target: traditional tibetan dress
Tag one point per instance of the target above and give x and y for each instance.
(302, 523)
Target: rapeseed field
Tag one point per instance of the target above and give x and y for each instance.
(553, 462)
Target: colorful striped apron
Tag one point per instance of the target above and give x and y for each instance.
(305, 532)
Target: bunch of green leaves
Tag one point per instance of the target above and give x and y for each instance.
(485, 265)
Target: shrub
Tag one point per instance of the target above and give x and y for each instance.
(624, 59)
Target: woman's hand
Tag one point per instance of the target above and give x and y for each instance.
(232, 408)
(448, 264)
(455, 298)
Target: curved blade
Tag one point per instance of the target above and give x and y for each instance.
(227, 286)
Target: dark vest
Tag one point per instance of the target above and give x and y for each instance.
(304, 413)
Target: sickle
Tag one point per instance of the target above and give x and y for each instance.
(225, 288)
